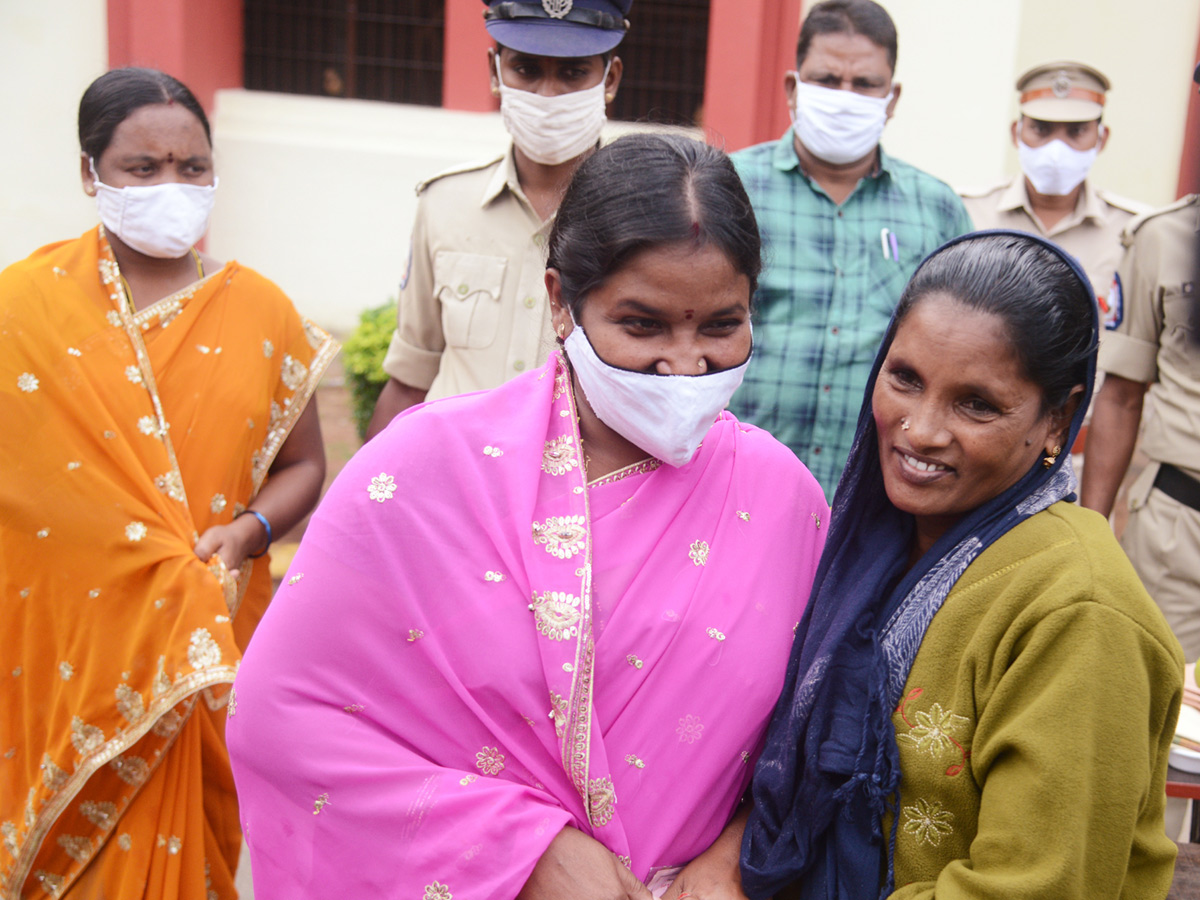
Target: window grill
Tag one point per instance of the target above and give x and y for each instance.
(388, 50)
(370, 49)
(664, 56)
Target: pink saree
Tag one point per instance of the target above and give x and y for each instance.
(474, 648)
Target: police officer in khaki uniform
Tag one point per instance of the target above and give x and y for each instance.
(1154, 345)
(473, 309)
(1058, 135)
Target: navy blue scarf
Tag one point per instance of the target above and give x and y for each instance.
(830, 768)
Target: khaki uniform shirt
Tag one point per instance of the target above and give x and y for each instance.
(473, 307)
(1092, 234)
(1155, 337)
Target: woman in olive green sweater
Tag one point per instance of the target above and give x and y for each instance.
(981, 697)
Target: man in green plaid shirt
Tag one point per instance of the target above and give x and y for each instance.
(844, 226)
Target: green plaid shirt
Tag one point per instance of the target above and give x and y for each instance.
(827, 292)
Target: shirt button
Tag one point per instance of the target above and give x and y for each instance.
(833, 330)
(462, 289)
(826, 389)
(519, 365)
(529, 302)
(816, 450)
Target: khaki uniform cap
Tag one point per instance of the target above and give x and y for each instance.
(1062, 92)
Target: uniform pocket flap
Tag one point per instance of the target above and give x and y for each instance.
(467, 276)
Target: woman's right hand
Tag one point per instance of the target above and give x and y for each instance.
(579, 867)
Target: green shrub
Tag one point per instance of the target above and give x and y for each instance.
(362, 356)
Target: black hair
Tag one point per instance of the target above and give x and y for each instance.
(849, 17)
(649, 190)
(1047, 308)
(110, 99)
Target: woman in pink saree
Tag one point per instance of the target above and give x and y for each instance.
(532, 637)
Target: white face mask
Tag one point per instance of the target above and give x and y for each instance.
(665, 415)
(1055, 168)
(838, 126)
(160, 220)
(552, 130)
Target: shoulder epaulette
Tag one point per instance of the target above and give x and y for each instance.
(461, 169)
(1141, 219)
(974, 192)
(1136, 207)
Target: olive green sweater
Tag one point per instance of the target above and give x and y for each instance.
(1035, 725)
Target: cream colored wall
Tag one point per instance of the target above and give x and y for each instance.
(318, 194)
(50, 51)
(959, 60)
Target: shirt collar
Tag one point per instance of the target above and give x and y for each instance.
(504, 178)
(1089, 205)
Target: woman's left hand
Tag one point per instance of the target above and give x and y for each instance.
(715, 873)
(233, 542)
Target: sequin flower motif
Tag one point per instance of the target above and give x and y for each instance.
(690, 730)
(490, 761)
(27, 382)
(382, 487)
(928, 822)
(437, 891)
(135, 531)
(698, 553)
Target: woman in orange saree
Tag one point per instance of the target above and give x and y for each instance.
(157, 428)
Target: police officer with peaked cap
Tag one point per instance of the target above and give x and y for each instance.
(1058, 135)
(473, 310)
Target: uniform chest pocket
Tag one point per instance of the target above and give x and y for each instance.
(468, 287)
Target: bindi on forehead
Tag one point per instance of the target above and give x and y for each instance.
(688, 313)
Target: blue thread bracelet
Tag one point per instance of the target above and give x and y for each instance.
(266, 525)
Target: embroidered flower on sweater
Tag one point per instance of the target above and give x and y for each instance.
(928, 822)
(935, 730)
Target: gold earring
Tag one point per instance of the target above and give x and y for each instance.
(609, 98)
(1049, 460)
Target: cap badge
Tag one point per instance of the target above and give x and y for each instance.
(557, 9)
(1061, 85)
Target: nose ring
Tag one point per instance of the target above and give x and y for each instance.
(904, 426)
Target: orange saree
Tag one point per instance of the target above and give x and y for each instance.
(125, 435)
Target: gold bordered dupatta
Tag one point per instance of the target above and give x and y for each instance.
(112, 624)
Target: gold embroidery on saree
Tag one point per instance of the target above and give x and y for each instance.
(293, 372)
(602, 799)
(559, 456)
(101, 813)
(557, 614)
(563, 536)
(78, 848)
(437, 891)
(85, 738)
(133, 770)
(382, 487)
(52, 776)
(490, 761)
(129, 703)
(203, 651)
